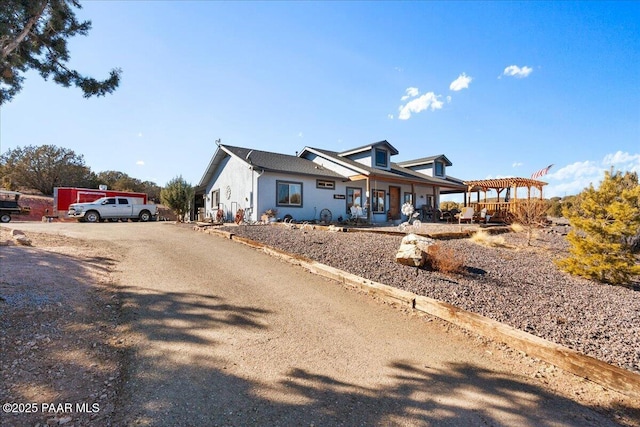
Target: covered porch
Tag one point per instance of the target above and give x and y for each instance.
(499, 209)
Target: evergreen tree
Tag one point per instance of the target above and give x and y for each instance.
(33, 35)
(42, 168)
(603, 222)
(177, 196)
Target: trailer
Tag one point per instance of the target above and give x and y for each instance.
(63, 197)
(9, 205)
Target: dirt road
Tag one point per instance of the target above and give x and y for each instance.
(221, 334)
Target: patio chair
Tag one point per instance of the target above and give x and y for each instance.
(482, 216)
(357, 213)
(466, 215)
(426, 213)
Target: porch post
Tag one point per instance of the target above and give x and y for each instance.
(369, 196)
(413, 196)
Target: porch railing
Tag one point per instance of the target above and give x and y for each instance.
(495, 207)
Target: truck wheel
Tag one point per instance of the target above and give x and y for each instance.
(145, 216)
(5, 217)
(92, 216)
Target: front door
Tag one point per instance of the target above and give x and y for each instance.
(394, 202)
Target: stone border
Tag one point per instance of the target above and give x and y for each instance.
(602, 373)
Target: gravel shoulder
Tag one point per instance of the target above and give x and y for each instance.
(58, 331)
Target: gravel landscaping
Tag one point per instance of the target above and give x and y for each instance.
(514, 283)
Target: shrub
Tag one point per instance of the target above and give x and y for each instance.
(449, 205)
(604, 222)
(483, 238)
(530, 214)
(445, 260)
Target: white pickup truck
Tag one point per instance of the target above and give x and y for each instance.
(113, 209)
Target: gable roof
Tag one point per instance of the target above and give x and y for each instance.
(425, 160)
(266, 161)
(396, 172)
(368, 147)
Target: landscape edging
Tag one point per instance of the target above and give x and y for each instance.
(590, 368)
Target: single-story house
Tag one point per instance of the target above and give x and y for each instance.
(303, 185)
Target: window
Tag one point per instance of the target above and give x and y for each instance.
(378, 201)
(439, 169)
(109, 202)
(327, 185)
(215, 198)
(381, 158)
(430, 201)
(123, 201)
(354, 198)
(408, 198)
(289, 193)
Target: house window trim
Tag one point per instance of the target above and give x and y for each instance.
(408, 197)
(438, 169)
(215, 198)
(290, 205)
(348, 208)
(386, 158)
(325, 184)
(375, 209)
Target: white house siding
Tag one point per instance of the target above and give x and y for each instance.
(238, 176)
(313, 199)
(423, 193)
(425, 170)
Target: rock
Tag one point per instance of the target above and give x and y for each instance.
(411, 255)
(421, 241)
(413, 250)
(22, 240)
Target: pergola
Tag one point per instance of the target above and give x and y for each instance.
(500, 184)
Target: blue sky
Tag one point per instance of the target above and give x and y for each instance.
(500, 88)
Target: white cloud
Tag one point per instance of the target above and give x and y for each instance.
(515, 71)
(390, 116)
(576, 170)
(448, 99)
(300, 135)
(139, 134)
(575, 177)
(623, 161)
(462, 82)
(426, 101)
(140, 163)
(516, 164)
(411, 92)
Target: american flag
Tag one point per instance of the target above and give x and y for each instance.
(541, 172)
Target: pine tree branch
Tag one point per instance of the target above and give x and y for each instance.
(10, 47)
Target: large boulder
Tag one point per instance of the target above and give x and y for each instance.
(413, 250)
(20, 238)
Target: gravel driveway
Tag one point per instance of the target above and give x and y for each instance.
(217, 333)
(514, 283)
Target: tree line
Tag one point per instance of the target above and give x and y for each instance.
(41, 168)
